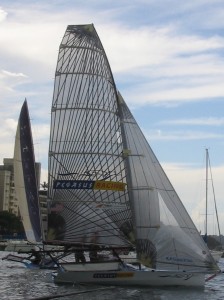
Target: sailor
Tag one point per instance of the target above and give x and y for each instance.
(79, 256)
(37, 257)
(93, 255)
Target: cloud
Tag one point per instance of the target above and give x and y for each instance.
(181, 135)
(10, 74)
(9, 82)
(189, 183)
(146, 47)
(175, 96)
(198, 121)
(178, 80)
(159, 57)
(3, 15)
(7, 137)
(8, 125)
(164, 65)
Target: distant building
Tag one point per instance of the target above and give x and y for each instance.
(8, 199)
(4, 189)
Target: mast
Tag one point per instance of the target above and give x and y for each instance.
(208, 169)
(216, 211)
(126, 153)
(206, 197)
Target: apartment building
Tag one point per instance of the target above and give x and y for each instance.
(8, 199)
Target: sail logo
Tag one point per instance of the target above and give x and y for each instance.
(114, 275)
(88, 185)
(178, 259)
(109, 185)
(73, 184)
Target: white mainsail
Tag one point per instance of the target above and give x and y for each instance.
(85, 148)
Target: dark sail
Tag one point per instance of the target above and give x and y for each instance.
(25, 177)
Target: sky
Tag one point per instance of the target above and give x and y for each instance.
(167, 58)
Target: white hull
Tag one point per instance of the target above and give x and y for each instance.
(24, 246)
(132, 277)
(99, 266)
(19, 246)
(95, 273)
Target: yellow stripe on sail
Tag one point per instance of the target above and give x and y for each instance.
(109, 185)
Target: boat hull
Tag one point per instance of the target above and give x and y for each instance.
(131, 277)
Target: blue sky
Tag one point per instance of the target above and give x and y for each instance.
(167, 57)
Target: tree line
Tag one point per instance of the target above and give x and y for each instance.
(11, 225)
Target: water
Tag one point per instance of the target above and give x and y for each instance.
(17, 282)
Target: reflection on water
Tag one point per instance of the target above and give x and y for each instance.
(17, 282)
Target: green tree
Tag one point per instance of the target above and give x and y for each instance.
(10, 223)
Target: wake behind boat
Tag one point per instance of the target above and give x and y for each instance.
(107, 190)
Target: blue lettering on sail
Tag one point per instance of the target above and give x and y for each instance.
(73, 184)
(179, 259)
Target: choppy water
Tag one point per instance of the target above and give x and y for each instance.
(17, 282)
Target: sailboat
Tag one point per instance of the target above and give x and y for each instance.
(215, 253)
(107, 191)
(26, 188)
(25, 178)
